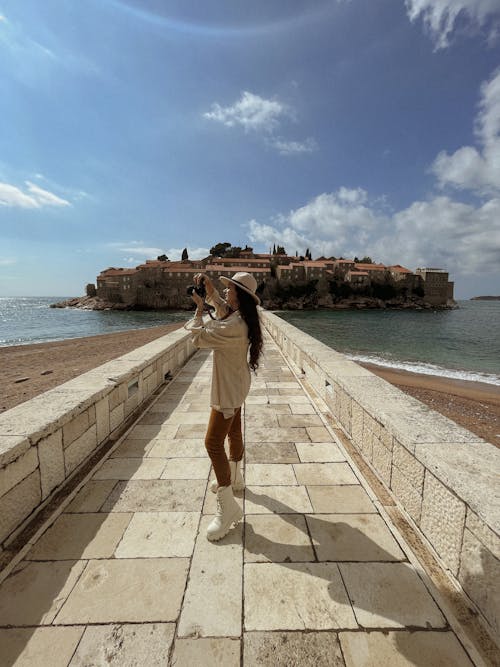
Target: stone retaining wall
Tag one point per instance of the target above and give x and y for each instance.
(445, 477)
(44, 441)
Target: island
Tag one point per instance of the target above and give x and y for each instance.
(485, 298)
(285, 282)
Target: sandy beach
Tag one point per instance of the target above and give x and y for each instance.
(29, 370)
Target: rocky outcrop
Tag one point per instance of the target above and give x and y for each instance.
(90, 303)
(329, 302)
(308, 302)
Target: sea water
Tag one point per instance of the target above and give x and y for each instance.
(462, 343)
(25, 320)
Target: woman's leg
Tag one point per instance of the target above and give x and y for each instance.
(218, 428)
(235, 437)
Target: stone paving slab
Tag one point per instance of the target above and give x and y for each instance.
(159, 535)
(213, 600)
(319, 452)
(172, 495)
(209, 652)
(29, 647)
(92, 496)
(340, 499)
(77, 536)
(390, 595)
(403, 649)
(352, 537)
(305, 596)
(124, 645)
(314, 575)
(35, 592)
(277, 538)
(271, 452)
(271, 474)
(282, 649)
(186, 468)
(128, 590)
(178, 447)
(132, 468)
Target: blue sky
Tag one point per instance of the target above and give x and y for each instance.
(130, 128)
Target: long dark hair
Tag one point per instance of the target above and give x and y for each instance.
(248, 311)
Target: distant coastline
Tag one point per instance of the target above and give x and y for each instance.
(485, 298)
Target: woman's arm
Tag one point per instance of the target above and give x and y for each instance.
(213, 297)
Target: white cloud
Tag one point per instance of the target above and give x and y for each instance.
(440, 16)
(470, 167)
(294, 147)
(459, 237)
(150, 253)
(251, 112)
(7, 261)
(32, 197)
(256, 114)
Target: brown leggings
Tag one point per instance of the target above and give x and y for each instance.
(218, 429)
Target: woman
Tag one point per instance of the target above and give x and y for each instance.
(236, 339)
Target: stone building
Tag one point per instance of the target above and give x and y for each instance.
(117, 285)
(438, 290)
(161, 284)
(341, 267)
(361, 278)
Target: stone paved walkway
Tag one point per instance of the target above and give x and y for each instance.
(314, 575)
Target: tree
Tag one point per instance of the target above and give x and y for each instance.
(366, 260)
(274, 248)
(280, 250)
(184, 254)
(162, 258)
(219, 249)
(234, 251)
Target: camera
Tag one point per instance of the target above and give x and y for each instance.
(199, 289)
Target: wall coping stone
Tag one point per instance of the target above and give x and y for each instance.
(27, 423)
(465, 463)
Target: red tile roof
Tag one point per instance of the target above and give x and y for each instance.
(397, 268)
(234, 269)
(370, 267)
(117, 272)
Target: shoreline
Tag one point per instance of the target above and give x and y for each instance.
(29, 370)
(473, 405)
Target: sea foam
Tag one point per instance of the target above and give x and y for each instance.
(427, 369)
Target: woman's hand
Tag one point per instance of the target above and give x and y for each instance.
(202, 277)
(198, 301)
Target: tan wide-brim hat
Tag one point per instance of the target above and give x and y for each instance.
(244, 281)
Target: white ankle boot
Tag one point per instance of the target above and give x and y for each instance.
(236, 478)
(228, 513)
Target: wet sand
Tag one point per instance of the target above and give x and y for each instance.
(29, 370)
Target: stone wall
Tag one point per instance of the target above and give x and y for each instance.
(443, 476)
(44, 441)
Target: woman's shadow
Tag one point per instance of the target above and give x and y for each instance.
(384, 590)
